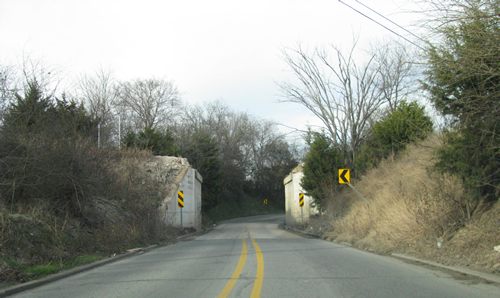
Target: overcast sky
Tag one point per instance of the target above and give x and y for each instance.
(228, 50)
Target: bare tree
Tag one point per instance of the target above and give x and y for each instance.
(395, 71)
(232, 131)
(151, 102)
(250, 153)
(7, 88)
(98, 93)
(341, 93)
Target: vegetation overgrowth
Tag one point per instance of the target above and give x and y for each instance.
(430, 194)
(72, 185)
(463, 80)
(69, 183)
(413, 209)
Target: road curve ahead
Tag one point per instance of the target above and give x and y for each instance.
(252, 257)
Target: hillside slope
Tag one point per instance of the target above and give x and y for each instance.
(37, 239)
(412, 209)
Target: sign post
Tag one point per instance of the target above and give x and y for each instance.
(345, 178)
(180, 201)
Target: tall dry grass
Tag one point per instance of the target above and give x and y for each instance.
(410, 207)
(406, 203)
(473, 244)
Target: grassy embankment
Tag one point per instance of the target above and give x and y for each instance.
(37, 271)
(415, 210)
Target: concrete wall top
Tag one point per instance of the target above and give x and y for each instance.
(174, 174)
(298, 169)
(167, 170)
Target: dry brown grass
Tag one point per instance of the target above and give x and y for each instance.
(403, 197)
(409, 207)
(473, 244)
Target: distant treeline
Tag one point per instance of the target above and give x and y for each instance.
(240, 157)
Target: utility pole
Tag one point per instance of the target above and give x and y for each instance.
(119, 133)
(99, 135)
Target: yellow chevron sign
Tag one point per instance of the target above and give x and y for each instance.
(180, 199)
(301, 199)
(344, 176)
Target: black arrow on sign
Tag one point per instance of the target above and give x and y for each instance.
(343, 177)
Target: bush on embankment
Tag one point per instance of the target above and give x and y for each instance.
(61, 196)
(115, 214)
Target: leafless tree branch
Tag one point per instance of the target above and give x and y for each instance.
(152, 102)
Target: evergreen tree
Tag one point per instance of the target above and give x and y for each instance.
(463, 80)
(321, 166)
(203, 155)
(406, 124)
(160, 143)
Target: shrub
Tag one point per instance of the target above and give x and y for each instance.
(408, 123)
(320, 168)
(160, 143)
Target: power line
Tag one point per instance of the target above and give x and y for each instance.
(380, 24)
(386, 18)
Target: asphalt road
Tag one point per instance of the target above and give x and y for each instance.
(252, 257)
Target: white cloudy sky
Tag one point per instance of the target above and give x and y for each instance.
(220, 49)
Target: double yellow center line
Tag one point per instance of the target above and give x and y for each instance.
(259, 275)
(237, 272)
